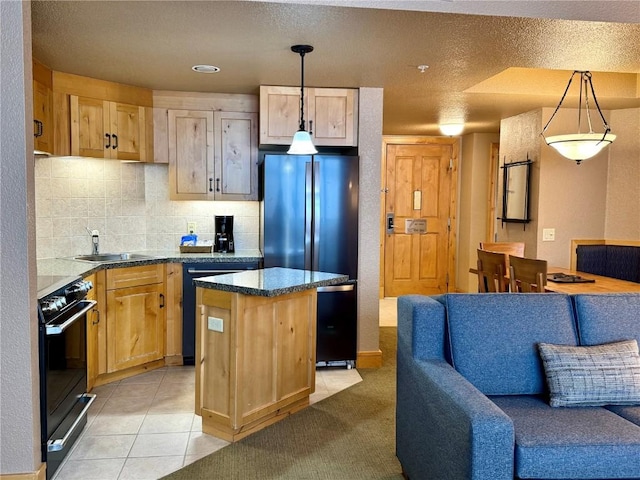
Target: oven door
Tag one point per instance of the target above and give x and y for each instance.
(63, 381)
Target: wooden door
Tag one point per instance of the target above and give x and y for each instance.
(333, 112)
(127, 128)
(135, 330)
(89, 127)
(190, 155)
(236, 156)
(419, 183)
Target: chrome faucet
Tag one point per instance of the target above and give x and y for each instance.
(95, 241)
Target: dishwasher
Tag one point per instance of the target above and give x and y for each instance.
(190, 272)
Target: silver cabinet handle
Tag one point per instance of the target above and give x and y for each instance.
(59, 443)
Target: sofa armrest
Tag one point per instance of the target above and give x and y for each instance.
(446, 428)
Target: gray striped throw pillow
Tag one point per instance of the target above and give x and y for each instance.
(607, 374)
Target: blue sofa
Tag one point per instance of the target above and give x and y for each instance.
(472, 400)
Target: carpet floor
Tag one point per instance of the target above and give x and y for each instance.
(348, 436)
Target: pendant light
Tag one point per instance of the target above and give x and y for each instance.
(580, 146)
(302, 144)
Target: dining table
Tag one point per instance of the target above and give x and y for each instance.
(600, 284)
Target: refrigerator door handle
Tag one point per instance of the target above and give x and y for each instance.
(308, 216)
(316, 216)
(336, 288)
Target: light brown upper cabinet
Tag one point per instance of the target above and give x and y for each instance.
(212, 155)
(104, 129)
(331, 115)
(96, 118)
(42, 105)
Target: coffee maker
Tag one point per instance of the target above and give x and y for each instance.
(223, 242)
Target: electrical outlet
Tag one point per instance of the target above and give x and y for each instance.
(548, 234)
(191, 227)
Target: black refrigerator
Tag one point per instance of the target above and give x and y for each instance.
(310, 221)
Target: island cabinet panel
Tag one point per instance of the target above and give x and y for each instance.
(255, 357)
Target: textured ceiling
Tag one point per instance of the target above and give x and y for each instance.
(481, 68)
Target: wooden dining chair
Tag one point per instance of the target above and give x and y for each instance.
(508, 248)
(527, 275)
(492, 270)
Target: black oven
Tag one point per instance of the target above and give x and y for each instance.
(64, 400)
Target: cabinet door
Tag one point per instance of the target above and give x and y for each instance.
(90, 135)
(127, 128)
(190, 155)
(96, 330)
(135, 326)
(43, 124)
(280, 114)
(236, 156)
(333, 112)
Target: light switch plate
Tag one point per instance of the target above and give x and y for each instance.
(191, 227)
(215, 324)
(548, 234)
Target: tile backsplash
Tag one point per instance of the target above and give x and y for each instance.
(128, 203)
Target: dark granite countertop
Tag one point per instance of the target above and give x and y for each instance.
(52, 271)
(270, 282)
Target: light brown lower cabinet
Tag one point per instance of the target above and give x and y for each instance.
(255, 359)
(126, 329)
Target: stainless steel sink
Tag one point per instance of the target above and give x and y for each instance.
(111, 257)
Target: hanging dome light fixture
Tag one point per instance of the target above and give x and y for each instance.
(302, 144)
(580, 146)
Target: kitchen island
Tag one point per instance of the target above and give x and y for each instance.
(255, 347)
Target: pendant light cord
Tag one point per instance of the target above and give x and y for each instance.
(302, 91)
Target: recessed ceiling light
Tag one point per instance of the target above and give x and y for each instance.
(205, 68)
(422, 68)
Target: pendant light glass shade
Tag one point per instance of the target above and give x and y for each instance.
(302, 144)
(580, 146)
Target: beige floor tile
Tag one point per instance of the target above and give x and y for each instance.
(154, 376)
(201, 443)
(167, 423)
(136, 390)
(114, 424)
(150, 468)
(127, 405)
(388, 312)
(102, 446)
(180, 375)
(185, 403)
(159, 444)
(189, 459)
(103, 469)
(196, 426)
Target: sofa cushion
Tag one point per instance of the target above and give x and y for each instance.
(581, 442)
(598, 375)
(494, 338)
(629, 412)
(606, 318)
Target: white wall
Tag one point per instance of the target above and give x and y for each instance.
(19, 392)
(623, 192)
(370, 151)
(475, 164)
